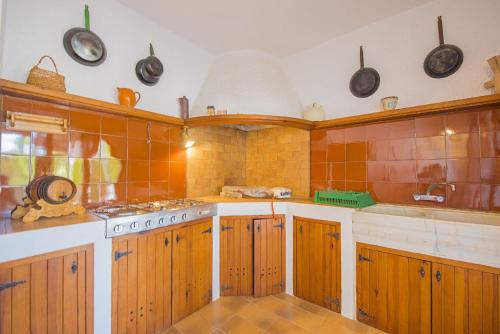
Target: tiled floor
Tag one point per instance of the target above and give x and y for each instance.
(273, 314)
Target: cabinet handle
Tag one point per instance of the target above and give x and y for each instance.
(438, 276)
(258, 227)
(362, 258)
(422, 272)
(300, 229)
(74, 267)
(177, 238)
(9, 285)
(166, 242)
(225, 228)
(248, 227)
(209, 230)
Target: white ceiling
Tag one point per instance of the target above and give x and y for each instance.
(280, 27)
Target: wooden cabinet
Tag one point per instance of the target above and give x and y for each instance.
(161, 277)
(252, 255)
(464, 300)
(393, 292)
(269, 256)
(191, 268)
(400, 292)
(141, 282)
(49, 293)
(317, 271)
(236, 256)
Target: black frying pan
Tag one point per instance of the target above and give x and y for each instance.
(445, 59)
(365, 81)
(84, 46)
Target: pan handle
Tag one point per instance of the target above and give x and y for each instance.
(440, 30)
(361, 57)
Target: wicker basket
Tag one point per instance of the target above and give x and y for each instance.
(45, 78)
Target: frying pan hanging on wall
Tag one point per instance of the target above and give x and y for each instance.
(445, 59)
(365, 81)
(83, 45)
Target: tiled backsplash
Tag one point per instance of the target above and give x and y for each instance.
(392, 160)
(110, 158)
(279, 156)
(217, 159)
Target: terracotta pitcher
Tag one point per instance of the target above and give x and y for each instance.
(127, 97)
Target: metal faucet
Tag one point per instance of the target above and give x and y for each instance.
(433, 198)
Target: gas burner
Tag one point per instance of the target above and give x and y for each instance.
(173, 204)
(134, 218)
(118, 211)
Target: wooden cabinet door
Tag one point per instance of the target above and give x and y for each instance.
(141, 283)
(180, 274)
(269, 256)
(49, 293)
(317, 262)
(464, 300)
(201, 281)
(393, 292)
(191, 268)
(236, 256)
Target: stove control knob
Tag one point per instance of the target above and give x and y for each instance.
(134, 226)
(161, 221)
(173, 219)
(149, 223)
(184, 216)
(118, 228)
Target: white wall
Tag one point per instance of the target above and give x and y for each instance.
(35, 28)
(248, 82)
(397, 47)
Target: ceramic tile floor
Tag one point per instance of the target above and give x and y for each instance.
(273, 314)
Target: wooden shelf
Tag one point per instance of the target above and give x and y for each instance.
(426, 109)
(17, 89)
(249, 119)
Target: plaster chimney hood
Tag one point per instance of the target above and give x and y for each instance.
(247, 83)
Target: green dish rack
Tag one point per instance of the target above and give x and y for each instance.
(350, 199)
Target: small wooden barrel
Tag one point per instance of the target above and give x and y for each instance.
(52, 189)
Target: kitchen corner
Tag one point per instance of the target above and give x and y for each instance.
(198, 167)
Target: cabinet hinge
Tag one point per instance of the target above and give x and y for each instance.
(362, 258)
(119, 255)
(332, 300)
(225, 228)
(9, 285)
(280, 225)
(333, 235)
(208, 230)
(280, 285)
(362, 313)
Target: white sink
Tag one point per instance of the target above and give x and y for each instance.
(450, 215)
(470, 236)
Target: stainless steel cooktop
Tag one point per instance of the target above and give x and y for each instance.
(134, 218)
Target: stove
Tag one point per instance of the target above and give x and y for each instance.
(136, 218)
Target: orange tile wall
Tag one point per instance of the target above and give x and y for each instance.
(393, 160)
(112, 159)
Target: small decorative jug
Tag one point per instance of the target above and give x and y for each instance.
(127, 97)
